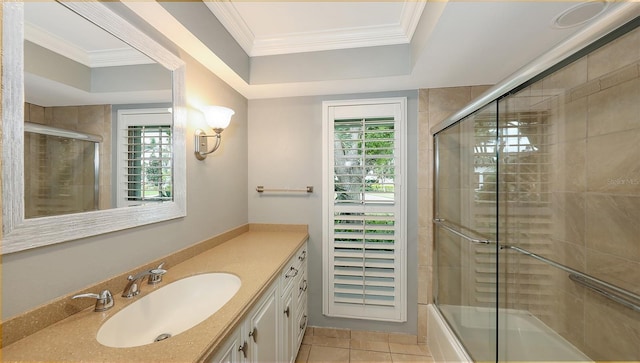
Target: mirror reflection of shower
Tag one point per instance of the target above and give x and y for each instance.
(61, 171)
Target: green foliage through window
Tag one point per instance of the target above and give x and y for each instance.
(149, 163)
(364, 168)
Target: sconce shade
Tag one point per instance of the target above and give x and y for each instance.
(218, 117)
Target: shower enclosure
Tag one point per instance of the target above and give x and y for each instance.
(537, 213)
(61, 171)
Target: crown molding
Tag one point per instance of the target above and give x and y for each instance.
(91, 59)
(231, 19)
(330, 40)
(55, 44)
(118, 57)
(411, 14)
(356, 37)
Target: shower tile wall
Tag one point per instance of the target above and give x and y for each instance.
(93, 119)
(435, 105)
(576, 198)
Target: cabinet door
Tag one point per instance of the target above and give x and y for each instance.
(262, 331)
(288, 319)
(233, 350)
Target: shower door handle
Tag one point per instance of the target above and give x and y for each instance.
(449, 227)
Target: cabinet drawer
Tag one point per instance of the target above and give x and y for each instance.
(301, 256)
(293, 269)
(301, 322)
(287, 277)
(302, 285)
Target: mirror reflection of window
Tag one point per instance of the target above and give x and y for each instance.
(144, 149)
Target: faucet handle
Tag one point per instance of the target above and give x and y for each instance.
(155, 275)
(104, 300)
(159, 269)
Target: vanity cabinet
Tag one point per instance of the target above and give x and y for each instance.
(301, 308)
(273, 329)
(263, 329)
(288, 327)
(232, 350)
(294, 298)
(257, 337)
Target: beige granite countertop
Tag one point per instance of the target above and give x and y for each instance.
(255, 256)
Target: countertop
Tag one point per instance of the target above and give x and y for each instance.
(256, 257)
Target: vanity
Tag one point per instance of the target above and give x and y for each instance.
(264, 321)
(274, 328)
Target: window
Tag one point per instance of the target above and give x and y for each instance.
(144, 157)
(364, 235)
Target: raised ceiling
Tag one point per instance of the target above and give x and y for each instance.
(269, 28)
(60, 30)
(298, 48)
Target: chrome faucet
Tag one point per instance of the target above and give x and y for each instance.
(104, 300)
(154, 276)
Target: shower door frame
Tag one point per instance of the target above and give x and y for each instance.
(586, 41)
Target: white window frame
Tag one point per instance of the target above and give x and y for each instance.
(330, 308)
(125, 119)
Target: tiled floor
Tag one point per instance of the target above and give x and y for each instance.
(345, 346)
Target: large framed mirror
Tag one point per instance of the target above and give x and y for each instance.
(93, 119)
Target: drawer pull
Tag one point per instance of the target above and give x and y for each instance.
(243, 349)
(287, 311)
(303, 323)
(254, 334)
(303, 255)
(292, 272)
(303, 286)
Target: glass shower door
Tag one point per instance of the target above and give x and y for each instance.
(61, 175)
(465, 230)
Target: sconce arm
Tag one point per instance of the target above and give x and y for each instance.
(201, 144)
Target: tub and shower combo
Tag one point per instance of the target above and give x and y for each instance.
(537, 209)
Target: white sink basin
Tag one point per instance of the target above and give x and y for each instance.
(169, 311)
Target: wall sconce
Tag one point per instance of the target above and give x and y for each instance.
(218, 119)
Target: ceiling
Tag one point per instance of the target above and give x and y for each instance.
(60, 30)
(50, 80)
(297, 48)
(269, 28)
(300, 48)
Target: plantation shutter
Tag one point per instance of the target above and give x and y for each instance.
(145, 153)
(364, 221)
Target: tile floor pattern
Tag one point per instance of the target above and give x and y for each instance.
(347, 346)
